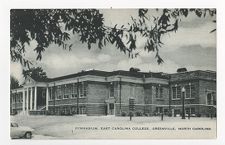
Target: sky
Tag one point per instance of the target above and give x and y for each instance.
(192, 46)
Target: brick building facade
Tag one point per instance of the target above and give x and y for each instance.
(107, 93)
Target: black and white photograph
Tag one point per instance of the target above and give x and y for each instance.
(141, 73)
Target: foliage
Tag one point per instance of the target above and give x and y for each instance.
(139, 113)
(54, 26)
(35, 73)
(123, 114)
(14, 83)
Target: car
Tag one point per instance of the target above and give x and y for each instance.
(17, 131)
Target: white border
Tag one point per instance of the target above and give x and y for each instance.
(6, 5)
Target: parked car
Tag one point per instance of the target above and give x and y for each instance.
(17, 131)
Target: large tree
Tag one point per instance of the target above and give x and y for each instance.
(37, 73)
(14, 83)
(54, 26)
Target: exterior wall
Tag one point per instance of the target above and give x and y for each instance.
(150, 98)
(192, 102)
(146, 102)
(16, 102)
(67, 105)
(197, 102)
(97, 94)
(206, 87)
(130, 90)
(160, 100)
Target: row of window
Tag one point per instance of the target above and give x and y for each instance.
(17, 98)
(68, 110)
(188, 93)
(158, 90)
(68, 91)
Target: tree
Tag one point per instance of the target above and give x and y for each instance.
(14, 83)
(48, 26)
(35, 73)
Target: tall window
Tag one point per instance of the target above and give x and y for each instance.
(211, 98)
(159, 92)
(111, 89)
(82, 110)
(83, 89)
(178, 91)
(66, 91)
(188, 91)
(174, 92)
(74, 90)
(193, 91)
(59, 92)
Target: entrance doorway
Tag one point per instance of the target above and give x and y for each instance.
(111, 108)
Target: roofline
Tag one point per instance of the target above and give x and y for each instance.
(208, 71)
(117, 72)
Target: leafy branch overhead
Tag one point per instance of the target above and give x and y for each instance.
(54, 26)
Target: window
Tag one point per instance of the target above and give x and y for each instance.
(67, 91)
(83, 89)
(188, 91)
(174, 92)
(43, 92)
(111, 89)
(210, 99)
(59, 93)
(50, 93)
(21, 97)
(178, 91)
(214, 98)
(159, 92)
(82, 110)
(74, 91)
(193, 92)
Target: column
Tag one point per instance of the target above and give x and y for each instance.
(47, 96)
(31, 98)
(27, 103)
(108, 109)
(35, 98)
(24, 99)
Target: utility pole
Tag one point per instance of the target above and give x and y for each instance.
(183, 110)
(54, 90)
(120, 93)
(78, 95)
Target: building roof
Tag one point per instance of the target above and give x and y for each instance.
(193, 75)
(113, 73)
(181, 76)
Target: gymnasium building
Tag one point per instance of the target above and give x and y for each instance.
(97, 92)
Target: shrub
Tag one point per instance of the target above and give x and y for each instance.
(139, 113)
(131, 114)
(123, 114)
(146, 114)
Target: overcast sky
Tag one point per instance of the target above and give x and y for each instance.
(192, 46)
